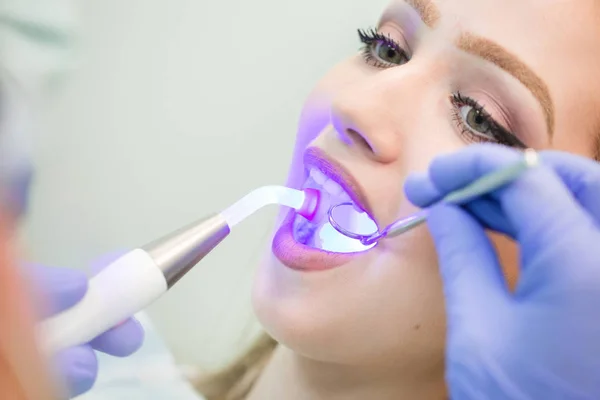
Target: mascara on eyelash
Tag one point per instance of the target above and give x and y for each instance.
(371, 36)
(499, 133)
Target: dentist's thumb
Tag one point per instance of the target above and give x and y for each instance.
(470, 270)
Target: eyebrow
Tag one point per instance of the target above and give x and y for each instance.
(496, 54)
(429, 13)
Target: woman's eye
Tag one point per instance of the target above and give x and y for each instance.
(388, 53)
(475, 124)
(475, 120)
(380, 50)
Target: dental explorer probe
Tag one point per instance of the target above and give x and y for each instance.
(141, 276)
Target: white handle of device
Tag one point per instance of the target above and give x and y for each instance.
(123, 288)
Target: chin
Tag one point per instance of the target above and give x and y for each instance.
(338, 316)
(304, 311)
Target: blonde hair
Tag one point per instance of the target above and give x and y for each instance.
(236, 381)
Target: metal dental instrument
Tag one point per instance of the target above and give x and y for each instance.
(141, 276)
(481, 186)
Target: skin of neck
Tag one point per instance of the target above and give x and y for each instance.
(291, 376)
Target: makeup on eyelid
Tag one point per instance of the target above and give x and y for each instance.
(467, 111)
(395, 32)
(505, 99)
(492, 106)
(407, 17)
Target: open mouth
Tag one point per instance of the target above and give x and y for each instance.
(316, 245)
(319, 233)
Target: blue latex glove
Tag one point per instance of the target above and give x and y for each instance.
(541, 341)
(78, 366)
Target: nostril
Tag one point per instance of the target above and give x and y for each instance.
(359, 140)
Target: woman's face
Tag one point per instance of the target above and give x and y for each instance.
(434, 76)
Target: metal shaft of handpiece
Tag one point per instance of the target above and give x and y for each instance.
(481, 186)
(177, 253)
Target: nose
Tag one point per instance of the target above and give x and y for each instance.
(369, 114)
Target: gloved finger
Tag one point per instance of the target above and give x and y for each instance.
(122, 340)
(489, 213)
(56, 289)
(78, 367)
(468, 263)
(580, 175)
(125, 338)
(420, 190)
(538, 204)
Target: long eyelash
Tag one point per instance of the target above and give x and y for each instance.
(371, 36)
(499, 133)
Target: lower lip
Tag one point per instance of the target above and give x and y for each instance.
(300, 257)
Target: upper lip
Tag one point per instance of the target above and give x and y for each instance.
(314, 157)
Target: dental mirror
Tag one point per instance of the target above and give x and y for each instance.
(353, 223)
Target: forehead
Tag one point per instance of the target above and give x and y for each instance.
(556, 39)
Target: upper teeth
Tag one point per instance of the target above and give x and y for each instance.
(319, 232)
(327, 184)
(333, 193)
(318, 176)
(332, 188)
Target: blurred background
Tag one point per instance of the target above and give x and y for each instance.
(168, 110)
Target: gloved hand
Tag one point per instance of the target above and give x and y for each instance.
(541, 341)
(78, 366)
